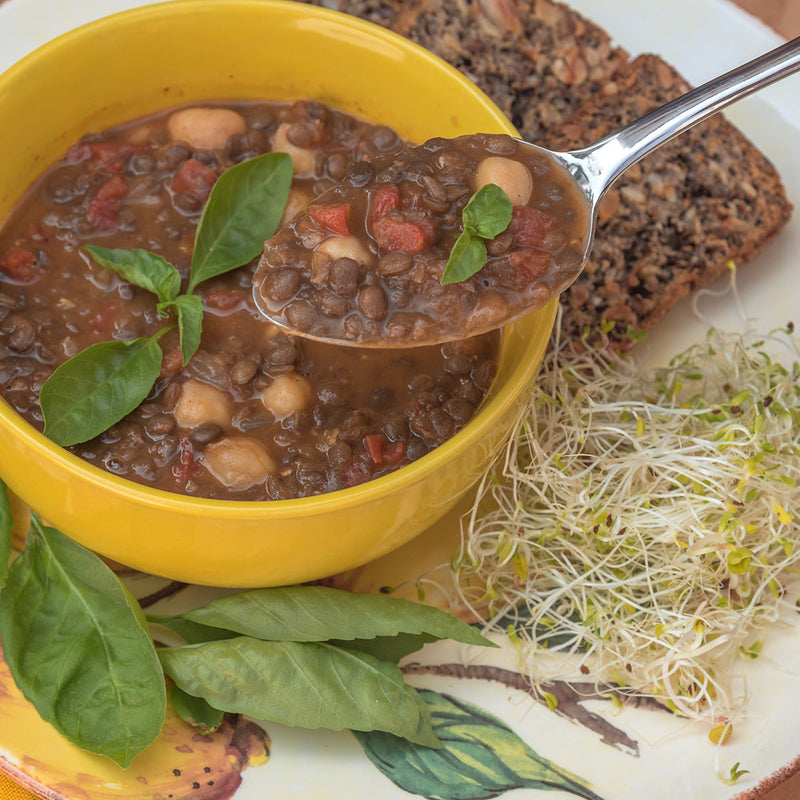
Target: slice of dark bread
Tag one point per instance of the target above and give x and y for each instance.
(538, 60)
(675, 220)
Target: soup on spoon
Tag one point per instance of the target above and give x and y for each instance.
(456, 237)
(437, 242)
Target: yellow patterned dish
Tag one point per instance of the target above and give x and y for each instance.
(136, 62)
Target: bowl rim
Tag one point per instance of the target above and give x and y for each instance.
(495, 403)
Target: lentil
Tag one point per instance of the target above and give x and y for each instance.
(204, 429)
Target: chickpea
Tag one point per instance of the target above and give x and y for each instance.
(200, 403)
(513, 177)
(139, 135)
(345, 247)
(205, 128)
(269, 330)
(286, 394)
(238, 462)
(304, 160)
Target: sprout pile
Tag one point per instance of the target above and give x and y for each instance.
(646, 526)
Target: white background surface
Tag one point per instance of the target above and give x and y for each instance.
(702, 38)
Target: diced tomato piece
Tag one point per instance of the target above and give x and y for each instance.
(393, 452)
(104, 206)
(194, 179)
(355, 472)
(78, 153)
(104, 156)
(103, 320)
(374, 443)
(382, 452)
(108, 156)
(334, 218)
(223, 299)
(529, 226)
(528, 263)
(172, 362)
(106, 152)
(404, 232)
(384, 199)
(115, 187)
(184, 470)
(19, 264)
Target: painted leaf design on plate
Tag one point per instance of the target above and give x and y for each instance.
(481, 757)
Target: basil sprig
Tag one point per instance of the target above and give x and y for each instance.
(486, 215)
(80, 650)
(76, 649)
(141, 268)
(198, 712)
(100, 385)
(310, 656)
(243, 211)
(320, 614)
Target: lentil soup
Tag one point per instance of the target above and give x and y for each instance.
(257, 413)
(366, 262)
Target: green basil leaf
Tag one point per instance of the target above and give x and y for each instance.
(97, 387)
(387, 648)
(76, 649)
(195, 710)
(243, 210)
(467, 257)
(188, 309)
(192, 632)
(318, 613)
(481, 757)
(6, 526)
(488, 212)
(305, 684)
(142, 268)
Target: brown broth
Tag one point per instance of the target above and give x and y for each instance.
(357, 414)
(364, 263)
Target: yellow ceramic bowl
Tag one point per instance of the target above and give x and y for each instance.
(137, 62)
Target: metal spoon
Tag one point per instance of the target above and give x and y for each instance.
(594, 169)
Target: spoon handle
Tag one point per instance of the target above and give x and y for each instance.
(604, 161)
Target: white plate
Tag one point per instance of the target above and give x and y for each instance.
(672, 758)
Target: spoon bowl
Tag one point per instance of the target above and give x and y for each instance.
(362, 266)
(366, 262)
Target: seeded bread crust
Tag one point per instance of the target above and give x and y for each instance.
(673, 222)
(498, 44)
